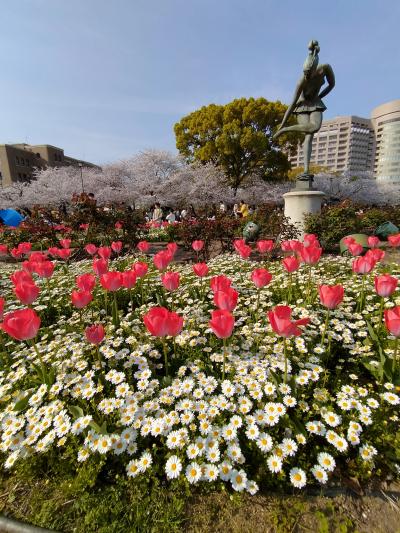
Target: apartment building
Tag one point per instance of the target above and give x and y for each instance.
(342, 143)
(18, 161)
(386, 123)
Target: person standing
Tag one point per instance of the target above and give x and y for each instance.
(170, 217)
(244, 209)
(157, 213)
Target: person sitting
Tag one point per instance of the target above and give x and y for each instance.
(170, 217)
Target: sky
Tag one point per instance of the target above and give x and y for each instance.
(106, 79)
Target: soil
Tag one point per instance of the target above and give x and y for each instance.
(344, 513)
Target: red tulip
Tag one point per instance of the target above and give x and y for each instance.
(222, 323)
(118, 225)
(86, 282)
(170, 280)
(245, 251)
(310, 239)
(239, 243)
(172, 248)
(373, 241)
(53, 251)
(160, 322)
(261, 277)
(348, 240)
(363, 265)
(100, 266)
(355, 248)
(65, 243)
(140, 269)
(116, 246)
(22, 325)
(28, 266)
(376, 254)
(226, 299)
(64, 253)
(264, 246)
(91, 249)
(44, 269)
(291, 263)
(394, 240)
(80, 299)
(143, 246)
(84, 227)
(220, 283)
(331, 295)
(2, 303)
(392, 320)
(200, 269)
(104, 252)
(37, 257)
(197, 245)
(16, 253)
(310, 254)
(129, 279)
(292, 245)
(111, 281)
(95, 334)
(3, 249)
(162, 259)
(385, 285)
(21, 276)
(24, 247)
(26, 292)
(282, 325)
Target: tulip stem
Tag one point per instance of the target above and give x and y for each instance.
(224, 360)
(361, 301)
(285, 357)
(165, 355)
(115, 311)
(325, 327)
(309, 284)
(396, 342)
(381, 314)
(37, 353)
(258, 303)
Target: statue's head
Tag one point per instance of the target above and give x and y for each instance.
(311, 63)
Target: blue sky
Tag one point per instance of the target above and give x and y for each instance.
(104, 79)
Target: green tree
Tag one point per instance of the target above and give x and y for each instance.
(237, 137)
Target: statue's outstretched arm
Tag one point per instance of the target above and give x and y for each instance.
(330, 78)
(296, 96)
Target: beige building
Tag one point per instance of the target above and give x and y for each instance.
(342, 143)
(386, 121)
(18, 161)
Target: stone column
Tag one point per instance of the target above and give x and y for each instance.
(301, 202)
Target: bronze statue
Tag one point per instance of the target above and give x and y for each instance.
(307, 104)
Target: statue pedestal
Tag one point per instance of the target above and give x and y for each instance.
(301, 202)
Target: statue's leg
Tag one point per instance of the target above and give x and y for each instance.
(307, 147)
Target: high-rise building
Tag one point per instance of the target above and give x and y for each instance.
(386, 122)
(342, 143)
(18, 161)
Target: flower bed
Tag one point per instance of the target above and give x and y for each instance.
(218, 373)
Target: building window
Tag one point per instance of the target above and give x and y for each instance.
(17, 159)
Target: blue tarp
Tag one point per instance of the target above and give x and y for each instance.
(10, 217)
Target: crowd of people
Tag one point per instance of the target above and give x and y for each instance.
(158, 214)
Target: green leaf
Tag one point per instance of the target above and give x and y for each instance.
(75, 411)
(22, 404)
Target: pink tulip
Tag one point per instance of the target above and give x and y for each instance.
(45, 269)
(81, 299)
(310, 239)
(64, 253)
(264, 246)
(355, 248)
(373, 241)
(291, 263)
(363, 265)
(200, 269)
(220, 283)
(222, 323)
(140, 269)
(116, 246)
(331, 295)
(100, 266)
(26, 292)
(3, 249)
(129, 279)
(21, 276)
(282, 325)
(162, 259)
(310, 254)
(161, 323)
(392, 320)
(65, 243)
(22, 324)
(2, 303)
(261, 277)
(104, 252)
(385, 285)
(111, 281)
(226, 299)
(91, 249)
(143, 246)
(86, 282)
(197, 245)
(170, 280)
(172, 247)
(95, 334)
(394, 240)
